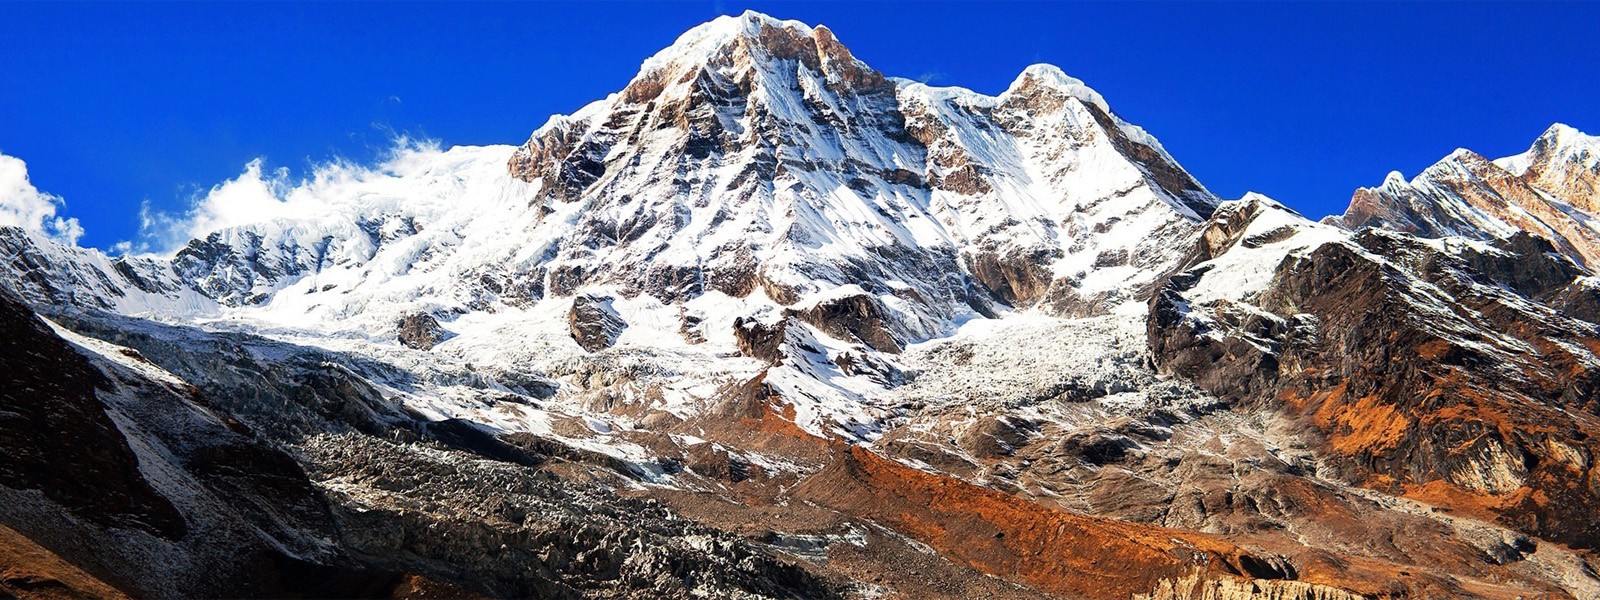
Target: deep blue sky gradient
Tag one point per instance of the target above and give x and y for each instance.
(115, 104)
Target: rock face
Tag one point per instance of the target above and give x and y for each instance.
(768, 323)
(51, 410)
(594, 323)
(858, 317)
(1014, 538)
(1198, 588)
(762, 341)
(420, 331)
(1432, 370)
(124, 475)
(552, 541)
(31, 571)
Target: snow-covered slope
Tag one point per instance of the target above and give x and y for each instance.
(48, 272)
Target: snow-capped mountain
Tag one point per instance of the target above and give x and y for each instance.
(761, 148)
(1548, 191)
(751, 170)
(768, 323)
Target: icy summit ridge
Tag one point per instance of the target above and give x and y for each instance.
(761, 155)
(704, 42)
(700, 43)
(752, 48)
(1559, 143)
(1052, 76)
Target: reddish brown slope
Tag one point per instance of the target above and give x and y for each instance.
(1440, 375)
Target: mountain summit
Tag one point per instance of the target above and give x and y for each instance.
(757, 153)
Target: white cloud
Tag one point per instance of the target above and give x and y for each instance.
(23, 205)
(252, 197)
(260, 195)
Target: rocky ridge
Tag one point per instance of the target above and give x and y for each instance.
(1547, 191)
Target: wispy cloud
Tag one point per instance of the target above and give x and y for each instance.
(260, 194)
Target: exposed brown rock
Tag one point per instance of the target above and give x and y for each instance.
(28, 571)
(859, 317)
(563, 159)
(1015, 280)
(759, 340)
(1224, 229)
(1001, 534)
(594, 324)
(415, 587)
(989, 437)
(1196, 587)
(420, 331)
(1348, 345)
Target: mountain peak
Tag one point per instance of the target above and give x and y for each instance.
(1048, 76)
(1548, 191)
(1559, 143)
(723, 35)
(1562, 133)
(747, 49)
(1562, 142)
(791, 160)
(1461, 162)
(748, 24)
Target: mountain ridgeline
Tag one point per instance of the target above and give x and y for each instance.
(767, 323)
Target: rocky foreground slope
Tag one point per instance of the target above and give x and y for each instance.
(769, 324)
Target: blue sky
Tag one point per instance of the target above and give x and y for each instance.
(113, 105)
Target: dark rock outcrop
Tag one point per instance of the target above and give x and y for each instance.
(145, 487)
(759, 340)
(595, 325)
(1015, 280)
(512, 531)
(57, 437)
(420, 331)
(858, 317)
